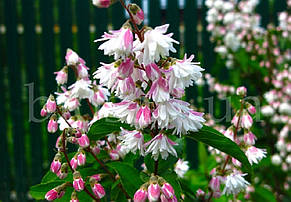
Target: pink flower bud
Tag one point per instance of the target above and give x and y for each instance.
(200, 193)
(74, 197)
(51, 105)
(102, 3)
(137, 13)
(43, 112)
(98, 190)
(236, 162)
(83, 141)
(249, 138)
(165, 199)
(74, 162)
(97, 177)
(140, 195)
(168, 191)
(81, 158)
(78, 182)
(114, 155)
(246, 120)
(56, 165)
(251, 109)
(95, 149)
(51, 195)
(214, 184)
(153, 192)
(241, 91)
(52, 126)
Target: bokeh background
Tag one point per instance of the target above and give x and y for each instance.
(34, 36)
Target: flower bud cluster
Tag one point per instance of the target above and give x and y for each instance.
(156, 189)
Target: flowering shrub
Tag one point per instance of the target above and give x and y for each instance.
(122, 129)
(261, 58)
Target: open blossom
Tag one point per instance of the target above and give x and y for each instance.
(156, 44)
(72, 104)
(161, 144)
(100, 96)
(255, 154)
(249, 138)
(81, 89)
(235, 183)
(107, 74)
(126, 111)
(62, 76)
(143, 117)
(159, 91)
(181, 167)
(119, 43)
(184, 72)
(132, 141)
(176, 114)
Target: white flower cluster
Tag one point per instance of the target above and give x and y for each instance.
(150, 85)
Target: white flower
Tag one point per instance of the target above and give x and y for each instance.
(285, 108)
(63, 97)
(255, 154)
(276, 159)
(176, 114)
(184, 72)
(107, 74)
(126, 111)
(181, 167)
(119, 43)
(232, 41)
(159, 90)
(72, 57)
(81, 89)
(235, 183)
(156, 44)
(100, 96)
(267, 110)
(132, 141)
(161, 144)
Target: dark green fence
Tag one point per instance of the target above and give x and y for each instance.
(34, 36)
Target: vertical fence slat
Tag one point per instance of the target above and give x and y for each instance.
(4, 170)
(263, 10)
(190, 22)
(65, 22)
(173, 18)
(48, 57)
(15, 99)
(101, 21)
(83, 23)
(154, 13)
(118, 17)
(28, 14)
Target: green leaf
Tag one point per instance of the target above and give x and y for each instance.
(215, 139)
(105, 126)
(262, 194)
(129, 176)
